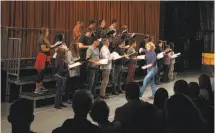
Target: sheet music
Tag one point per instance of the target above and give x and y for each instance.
(56, 44)
(141, 57)
(74, 65)
(160, 55)
(103, 61)
(175, 55)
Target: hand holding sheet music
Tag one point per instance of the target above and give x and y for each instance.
(175, 55)
(160, 55)
(57, 44)
(103, 61)
(74, 65)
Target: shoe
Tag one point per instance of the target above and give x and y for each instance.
(57, 107)
(63, 105)
(151, 97)
(104, 97)
(69, 101)
(120, 92)
(44, 89)
(115, 93)
(38, 91)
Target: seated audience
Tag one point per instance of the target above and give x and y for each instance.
(124, 114)
(181, 86)
(21, 116)
(183, 116)
(145, 119)
(100, 113)
(206, 89)
(81, 104)
(194, 90)
(161, 96)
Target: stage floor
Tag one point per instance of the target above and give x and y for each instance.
(48, 118)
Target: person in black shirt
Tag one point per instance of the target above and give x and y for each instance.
(101, 32)
(85, 42)
(159, 49)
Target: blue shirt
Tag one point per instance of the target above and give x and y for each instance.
(150, 57)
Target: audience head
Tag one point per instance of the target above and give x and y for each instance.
(82, 102)
(194, 89)
(132, 91)
(205, 83)
(21, 115)
(181, 86)
(145, 118)
(88, 32)
(102, 23)
(150, 46)
(161, 96)
(182, 114)
(92, 24)
(100, 111)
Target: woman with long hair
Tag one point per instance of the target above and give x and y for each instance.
(74, 74)
(150, 57)
(61, 76)
(42, 60)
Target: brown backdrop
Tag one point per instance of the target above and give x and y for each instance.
(141, 16)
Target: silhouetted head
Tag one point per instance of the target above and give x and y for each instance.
(181, 86)
(82, 102)
(100, 111)
(21, 115)
(132, 91)
(183, 115)
(194, 89)
(161, 96)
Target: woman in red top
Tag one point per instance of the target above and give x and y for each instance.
(42, 60)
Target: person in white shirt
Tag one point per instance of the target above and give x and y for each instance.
(105, 54)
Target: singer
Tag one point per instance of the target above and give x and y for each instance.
(151, 67)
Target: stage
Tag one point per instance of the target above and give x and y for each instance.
(48, 118)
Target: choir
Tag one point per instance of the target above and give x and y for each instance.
(101, 50)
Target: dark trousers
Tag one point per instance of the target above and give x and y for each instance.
(157, 77)
(130, 76)
(83, 72)
(72, 84)
(117, 77)
(61, 85)
(92, 74)
(41, 74)
(166, 72)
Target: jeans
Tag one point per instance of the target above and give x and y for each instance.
(61, 85)
(149, 79)
(92, 74)
(105, 80)
(118, 77)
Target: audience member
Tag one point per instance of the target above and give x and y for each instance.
(124, 114)
(183, 116)
(161, 96)
(81, 104)
(206, 88)
(145, 119)
(194, 90)
(100, 113)
(21, 116)
(181, 86)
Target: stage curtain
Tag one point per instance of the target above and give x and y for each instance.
(139, 16)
